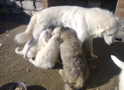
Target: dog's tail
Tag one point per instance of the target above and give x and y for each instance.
(19, 52)
(118, 62)
(27, 34)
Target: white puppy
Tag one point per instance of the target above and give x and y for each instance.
(43, 40)
(88, 23)
(75, 70)
(120, 64)
(47, 57)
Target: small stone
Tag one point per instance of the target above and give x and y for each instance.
(13, 66)
(28, 69)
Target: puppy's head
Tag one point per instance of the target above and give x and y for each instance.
(67, 33)
(45, 36)
(57, 30)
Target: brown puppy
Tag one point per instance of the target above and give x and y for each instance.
(75, 70)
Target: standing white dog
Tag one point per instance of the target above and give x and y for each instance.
(47, 57)
(88, 23)
(120, 64)
(43, 40)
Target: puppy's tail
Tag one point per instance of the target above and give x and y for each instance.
(118, 62)
(27, 34)
(19, 52)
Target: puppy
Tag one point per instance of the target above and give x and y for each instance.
(43, 39)
(120, 64)
(75, 70)
(47, 57)
(88, 23)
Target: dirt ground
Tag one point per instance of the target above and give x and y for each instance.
(103, 72)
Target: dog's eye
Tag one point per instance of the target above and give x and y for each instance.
(110, 34)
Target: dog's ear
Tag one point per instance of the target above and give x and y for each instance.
(102, 27)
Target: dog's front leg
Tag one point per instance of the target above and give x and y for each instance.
(89, 44)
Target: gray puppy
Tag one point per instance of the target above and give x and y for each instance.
(75, 70)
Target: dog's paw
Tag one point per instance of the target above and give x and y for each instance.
(94, 56)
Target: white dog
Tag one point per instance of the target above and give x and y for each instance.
(120, 64)
(75, 70)
(47, 57)
(88, 23)
(43, 40)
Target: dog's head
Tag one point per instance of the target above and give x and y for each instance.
(103, 23)
(109, 29)
(109, 36)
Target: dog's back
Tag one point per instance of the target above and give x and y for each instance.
(120, 64)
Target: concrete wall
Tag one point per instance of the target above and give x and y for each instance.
(24, 7)
(20, 10)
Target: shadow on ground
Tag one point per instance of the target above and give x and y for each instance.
(5, 28)
(35, 87)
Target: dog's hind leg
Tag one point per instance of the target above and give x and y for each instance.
(89, 44)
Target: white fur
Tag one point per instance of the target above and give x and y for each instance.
(43, 39)
(47, 57)
(120, 64)
(88, 23)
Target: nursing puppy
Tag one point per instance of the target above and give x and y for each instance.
(43, 40)
(75, 70)
(88, 23)
(47, 57)
(120, 64)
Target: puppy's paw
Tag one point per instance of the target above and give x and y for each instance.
(61, 72)
(25, 57)
(67, 87)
